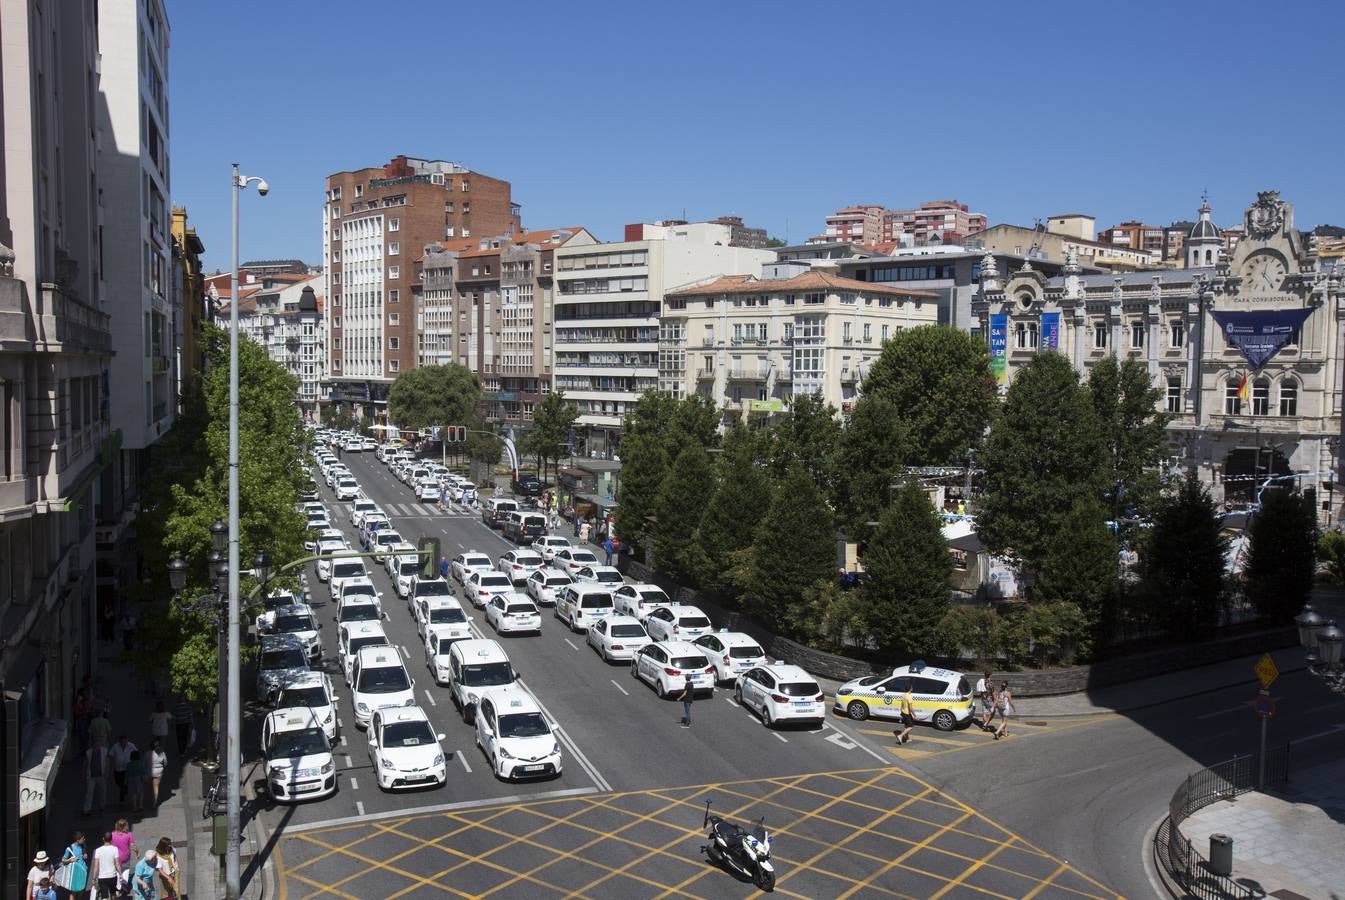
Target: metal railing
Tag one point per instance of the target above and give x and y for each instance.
(1177, 856)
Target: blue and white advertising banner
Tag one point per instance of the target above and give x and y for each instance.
(1050, 331)
(999, 346)
(1260, 335)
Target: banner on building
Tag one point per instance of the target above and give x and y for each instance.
(1260, 335)
(999, 346)
(1050, 331)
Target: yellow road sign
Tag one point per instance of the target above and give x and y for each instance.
(1266, 671)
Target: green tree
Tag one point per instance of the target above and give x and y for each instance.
(552, 420)
(807, 437)
(1281, 553)
(794, 550)
(1182, 564)
(426, 396)
(908, 566)
(741, 497)
(1042, 454)
(1126, 404)
(1331, 551)
(867, 462)
(938, 379)
(1081, 570)
(643, 465)
(679, 505)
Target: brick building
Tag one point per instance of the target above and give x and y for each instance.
(376, 223)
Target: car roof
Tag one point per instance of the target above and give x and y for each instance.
(292, 718)
(480, 650)
(379, 655)
(511, 698)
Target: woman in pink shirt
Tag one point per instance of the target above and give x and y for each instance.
(124, 841)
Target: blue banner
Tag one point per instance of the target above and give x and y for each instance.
(1050, 331)
(999, 346)
(1260, 335)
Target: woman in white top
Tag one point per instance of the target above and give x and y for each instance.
(158, 761)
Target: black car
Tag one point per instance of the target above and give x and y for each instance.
(527, 484)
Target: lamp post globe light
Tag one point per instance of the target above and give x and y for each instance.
(1323, 642)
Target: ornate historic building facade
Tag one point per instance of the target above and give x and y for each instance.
(1246, 351)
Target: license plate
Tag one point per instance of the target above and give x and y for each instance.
(532, 768)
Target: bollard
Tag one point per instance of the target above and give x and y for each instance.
(1221, 854)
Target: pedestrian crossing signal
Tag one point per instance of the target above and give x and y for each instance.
(427, 551)
(455, 434)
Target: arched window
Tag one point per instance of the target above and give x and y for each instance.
(1289, 397)
(1261, 397)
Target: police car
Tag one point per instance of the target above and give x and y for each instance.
(941, 697)
(731, 653)
(299, 763)
(380, 681)
(513, 733)
(405, 751)
(779, 693)
(313, 690)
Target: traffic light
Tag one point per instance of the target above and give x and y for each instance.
(427, 548)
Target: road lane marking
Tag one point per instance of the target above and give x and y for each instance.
(462, 758)
(430, 697)
(442, 808)
(619, 687)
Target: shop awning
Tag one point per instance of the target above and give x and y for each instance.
(40, 763)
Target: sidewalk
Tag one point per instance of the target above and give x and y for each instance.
(1286, 840)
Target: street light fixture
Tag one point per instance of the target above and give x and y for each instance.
(1323, 642)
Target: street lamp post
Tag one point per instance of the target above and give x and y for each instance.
(1324, 642)
(234, 763)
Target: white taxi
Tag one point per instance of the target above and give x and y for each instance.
(379, 681)
(670, 665)
(544, 585)
(780, 692)
(677, 623)
(731, 653)
(313, 690)
(616, 637)
(299, 764)
(640, 599)
(514, 612)
(513, 733)
(940, 697)
(405, 751)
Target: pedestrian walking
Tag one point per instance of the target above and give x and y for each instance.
(1006, 709)
(72, 878)
(135, 782)
(95, 776)
(159, 722)
(142, 881)
(106, 867)
(169, 871)
(687, 697)
(120, 753)
(907, 715)
(184, 725)
(607, 548)
(124, 840)
(100, 729)
(158, 761)
(128, 624)
(41, 871)
(584, 532)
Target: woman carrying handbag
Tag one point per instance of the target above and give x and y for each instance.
(72, 878)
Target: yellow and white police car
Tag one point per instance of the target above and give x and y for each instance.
(940, 697)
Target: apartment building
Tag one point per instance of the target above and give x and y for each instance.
(489, 307)
(607, 304)
(753, 343)
(55, 430)
(376, 222)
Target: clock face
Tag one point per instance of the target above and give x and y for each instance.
(1262, 273)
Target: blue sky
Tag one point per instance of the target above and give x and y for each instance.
(602, 114)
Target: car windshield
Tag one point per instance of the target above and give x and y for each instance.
(487, 674)
(348, 570)
(359, 612)
(694, 622)
(366, 641)
(434, 588)
(626, 631)
(305, 742)
(691, 662)
(800, 689)
(596, 601)
(522, 608)
(476, 561)
(316, 695)
(407, 734)
(494, 581)
(409, 568)
(283, 658)
(521, 725)
(746, 651)
(383, 680)
(358, 590)
(292, 624)
(449, 615)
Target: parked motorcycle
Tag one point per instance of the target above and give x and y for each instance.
(741, 851)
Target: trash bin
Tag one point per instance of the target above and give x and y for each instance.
(1221, 854)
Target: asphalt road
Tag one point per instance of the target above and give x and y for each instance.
(853, 813)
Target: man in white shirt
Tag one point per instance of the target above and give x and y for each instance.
(105, 867)
(120, 753)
